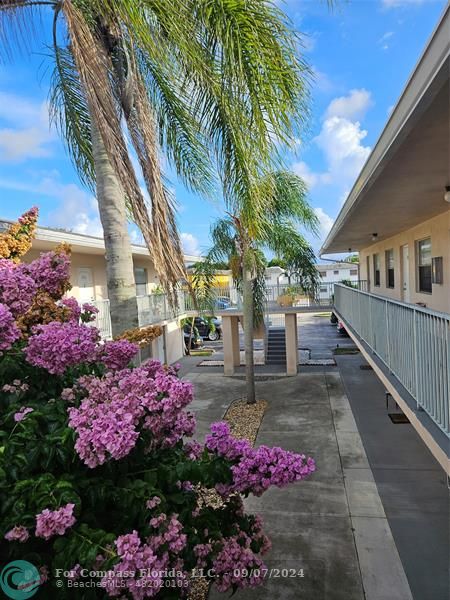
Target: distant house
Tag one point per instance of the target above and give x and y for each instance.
(88, 279)
(328, 273)
(398, 217)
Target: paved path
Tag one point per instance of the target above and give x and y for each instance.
(332, 525)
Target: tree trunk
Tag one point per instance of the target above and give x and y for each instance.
(247, 299)
(119, 258)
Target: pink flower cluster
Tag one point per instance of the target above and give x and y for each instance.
(16, 387)
(49, 272)
(56, 346)
(9, 332)
(118, 405)
(22, 413)
(117, 355)
(17, 288)
(148, 561)
(19, 533)
(54, 522)
(256, 469)
(86, 312)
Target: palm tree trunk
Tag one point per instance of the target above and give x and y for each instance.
(119, 258)
(247, 300)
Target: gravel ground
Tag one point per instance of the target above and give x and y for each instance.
(244, 421)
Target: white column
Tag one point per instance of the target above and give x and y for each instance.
(290, 321)
(230, 332)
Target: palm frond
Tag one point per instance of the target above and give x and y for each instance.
(69, 111)
(20, 24)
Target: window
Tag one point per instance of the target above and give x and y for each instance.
(322, 274)
(335, 272)
(390, 275)
(423, 251)
(376, 269)
(353, 271)
(140, 278)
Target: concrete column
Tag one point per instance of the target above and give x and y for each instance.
(230, 333)
(290, 321)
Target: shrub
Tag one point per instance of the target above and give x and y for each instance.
(95, 469)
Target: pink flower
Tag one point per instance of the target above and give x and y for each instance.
(17, 534)
(153, 502)
(117, 354)
(9, 332)
(56, 346)
(20, 416)
(54, 522)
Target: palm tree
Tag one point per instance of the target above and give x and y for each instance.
(236, 239)
(212, 83)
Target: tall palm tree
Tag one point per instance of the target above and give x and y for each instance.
(212, 83)
(236, 239)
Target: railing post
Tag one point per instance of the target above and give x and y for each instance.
(416, 359)
(388, 337)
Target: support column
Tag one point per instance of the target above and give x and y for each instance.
(230, 332)
(290, 321)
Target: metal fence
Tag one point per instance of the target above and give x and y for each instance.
(152, 308)
(276, 296)
(413, 342)
(103, 319)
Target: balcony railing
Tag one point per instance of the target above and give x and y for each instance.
(413, 343)
(276, 296)
(152, 309)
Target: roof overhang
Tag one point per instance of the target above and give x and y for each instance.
(403, 181)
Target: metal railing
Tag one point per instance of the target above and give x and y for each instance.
(152, 309)
(103, 319)
(413, 342)
(276, 297)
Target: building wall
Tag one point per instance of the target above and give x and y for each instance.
(97, 264)
(438, 228)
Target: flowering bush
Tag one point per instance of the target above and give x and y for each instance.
(95, 469)
(16, 240)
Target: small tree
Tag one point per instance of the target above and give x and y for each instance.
(241, 237)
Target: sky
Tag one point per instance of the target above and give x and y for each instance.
(361, 52)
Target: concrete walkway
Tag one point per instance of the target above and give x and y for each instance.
(333, 525)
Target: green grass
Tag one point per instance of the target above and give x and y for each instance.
(201, 352)
(345, 351)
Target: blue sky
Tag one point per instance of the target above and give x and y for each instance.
(362, 53)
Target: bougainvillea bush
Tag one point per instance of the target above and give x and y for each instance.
(97, 473)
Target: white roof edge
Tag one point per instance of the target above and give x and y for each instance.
(436, 51)
(47, 234)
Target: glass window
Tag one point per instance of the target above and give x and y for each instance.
(335, 272)
(376, 269)
(322, 274)
(424, 266)
(390, 273)
(140, 278)
(353, 271)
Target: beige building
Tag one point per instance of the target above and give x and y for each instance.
(397, 216)
(88, 279)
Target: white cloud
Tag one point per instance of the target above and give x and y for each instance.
(77, 210)
(309, 177)
(352, 106)
(26, 130)
(190, 244)
(384, 40)
(340, 140)
(325, 221)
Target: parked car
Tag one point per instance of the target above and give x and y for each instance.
(222, 303)
(206, 330)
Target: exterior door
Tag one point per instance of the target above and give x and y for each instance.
(86, 284)
(405, 273)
